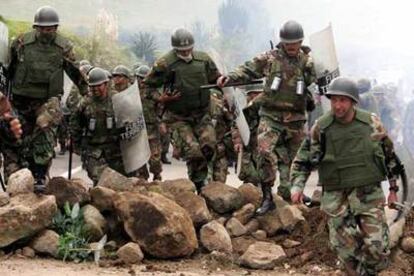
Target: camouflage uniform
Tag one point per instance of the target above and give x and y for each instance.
(192, 131)
(97, 141)
(149, 99)
(354, 202)
(222, 119)
(282, 114)
(36, 71)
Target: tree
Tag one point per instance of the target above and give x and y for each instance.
(144, 46)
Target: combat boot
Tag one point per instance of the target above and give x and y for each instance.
(164, 159)
(199, 186)
(156, 177)
(267, 201)
(62, 150)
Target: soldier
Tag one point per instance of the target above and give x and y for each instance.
(13, 127)
(288, 71)
(223, 121)
(346, 147)
(75, 95)
(38, 59)
(165, 143)
(385, 110)
(367, 99)
(121, 77)
(93, 130)
(186, 105)
(149, 99)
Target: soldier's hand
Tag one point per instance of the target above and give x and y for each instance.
(166, 98)
(238, 147)
(16, 128)
(392, 198)
(297, 198)
(222, 81)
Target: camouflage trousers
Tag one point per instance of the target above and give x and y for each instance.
(155, 166)
(165, 138)
(194, 139)
(97, 159)
(63, 131)
(36, 148)
(224, 154)
(277, 146)
(358, 231)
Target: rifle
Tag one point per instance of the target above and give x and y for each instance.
(232, 84)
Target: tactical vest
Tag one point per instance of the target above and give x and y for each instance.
(39, 68)
(99, 121)
(352, 158)
(290, 71)
(188, 79)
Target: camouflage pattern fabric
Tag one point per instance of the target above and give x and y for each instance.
(194, 140)
(97, 159)
(63, 131)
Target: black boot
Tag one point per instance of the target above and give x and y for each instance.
(199, 186)
(267, 201)
(39, 173)
(164, 159)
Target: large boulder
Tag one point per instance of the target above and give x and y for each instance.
(235, 228)
(159, 225)
(222, 198)
(195, 206)
(46, 242)
(262, 255)
(24, 216)
(270, 222)
(101, 198)
(114, 180)
(177, 186)
(20, 182)
(214, 237)
(95, 223)
(65, 190)
(289, 216)
(251, 194)
(4, 198)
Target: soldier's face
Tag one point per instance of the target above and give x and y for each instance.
(292, 49)
(120, 82)
(342, 106)
(99, 90)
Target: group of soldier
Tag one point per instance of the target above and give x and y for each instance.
(345, 145)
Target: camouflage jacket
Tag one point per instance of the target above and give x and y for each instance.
(149, 100)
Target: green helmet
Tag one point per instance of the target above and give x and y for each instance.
(97, 76)
(364, 85)
(84, 62)
(254, 88)
(142, 71)
(291, 32)
(46, 16)
(182, 39)
(121, 70)
(343, 86)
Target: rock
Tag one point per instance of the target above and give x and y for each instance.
(270, 222)
(222, 220)
(240, 244)
(259, 235)
(114, 180)
(24, 216)
(4, 198)
(262, 255)
(214, 237)
(407, 244)
(222, 198)
(28, 252)
(195, 206)
(177, 186)
(251, 194)
(235, 228)
(46, 242)
(396, 232)
(72, 191)
(20, 182)
(316, 197)
(245, 213)
(252, 225)
(160, 226)
(130, 253)
(95, 223)
(102, 198)
(288, 243)
(289, 216)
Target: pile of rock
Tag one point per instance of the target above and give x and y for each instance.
(160, 219)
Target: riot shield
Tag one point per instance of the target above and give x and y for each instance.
(326, 63)
(235, 99)
(67, 87)
(130, 121)
(4, 44)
